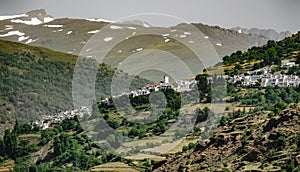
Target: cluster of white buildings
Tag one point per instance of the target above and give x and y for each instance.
(263, 78)
(280, 81)
(47, 121)
(179, 86)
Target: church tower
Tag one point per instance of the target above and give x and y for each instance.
(166, 79)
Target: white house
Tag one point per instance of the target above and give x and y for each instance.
(288, 64)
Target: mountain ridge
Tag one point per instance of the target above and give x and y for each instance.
(68, 35)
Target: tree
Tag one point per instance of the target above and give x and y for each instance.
(298, 59)
(17, 127)
(10, 140)
(281, 141)
(223, 120)
(244, 139)
(2, 148)
(203, 87)
(201, 116)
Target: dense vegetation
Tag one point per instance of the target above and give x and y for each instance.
(72, 150)
(141, 104)
(36, 82)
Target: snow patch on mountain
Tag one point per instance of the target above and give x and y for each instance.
(33, 21)
(53, 25)
(99, 20)
(108, 39)
(132, 28)
(9, 28)
(115, 27)
(139, 49)
(12, 17)
(93, 31)
(11, 33)
(23, 38)
(48, 19)
(31, 41)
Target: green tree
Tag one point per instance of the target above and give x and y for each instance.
(298, 59)
(10, 140)
(17, 127)
(2, 148)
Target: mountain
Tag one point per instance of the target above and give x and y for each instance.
(252, 143)
(268, 33)
(68, 35)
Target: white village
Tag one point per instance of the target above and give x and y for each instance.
(257, 78)
(263, 78)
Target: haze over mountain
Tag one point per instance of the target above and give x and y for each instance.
(269, 33)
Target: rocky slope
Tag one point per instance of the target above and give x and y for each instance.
(261, 142)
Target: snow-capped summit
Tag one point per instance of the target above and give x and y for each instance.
(34, 17)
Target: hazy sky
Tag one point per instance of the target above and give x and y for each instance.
(280, 15)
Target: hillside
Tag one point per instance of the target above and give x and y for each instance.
(259, 142)
(36, 81)
(273, 53)
(259, 130)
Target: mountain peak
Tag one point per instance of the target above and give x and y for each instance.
(34, 17)
(39, 12)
